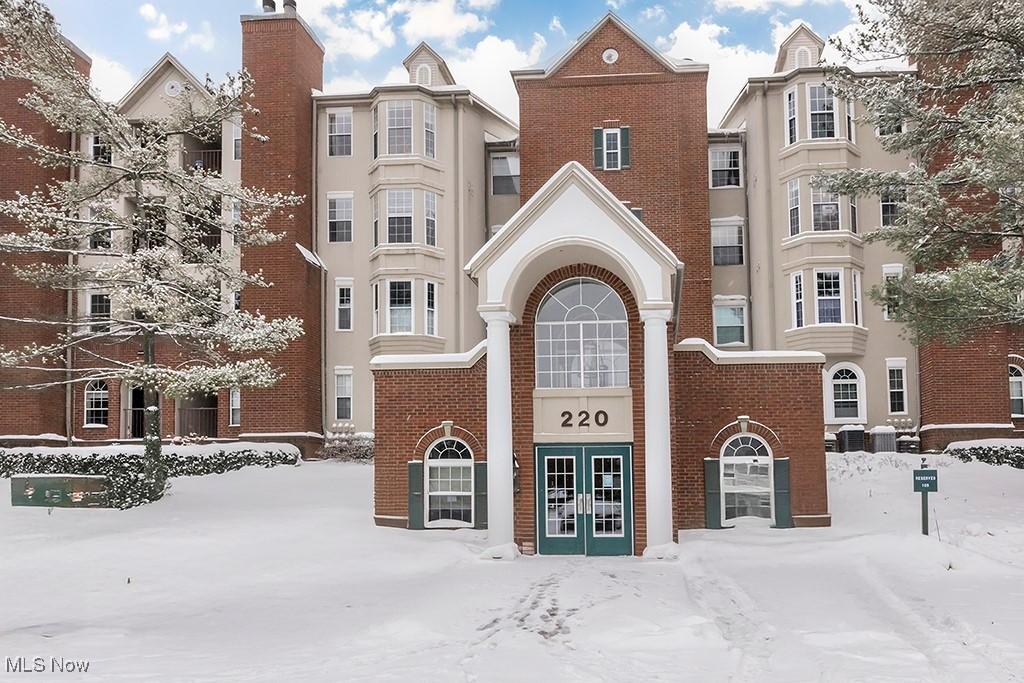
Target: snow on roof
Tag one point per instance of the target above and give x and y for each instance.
(466, 359)
(310, 256)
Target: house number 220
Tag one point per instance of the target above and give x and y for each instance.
(600, 418)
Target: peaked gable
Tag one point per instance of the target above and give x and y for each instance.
(148, 96)
(435, 68)
(801, 48)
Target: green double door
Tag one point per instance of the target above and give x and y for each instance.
(585, 499)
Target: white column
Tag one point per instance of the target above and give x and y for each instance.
(499, 435)
(657, 440)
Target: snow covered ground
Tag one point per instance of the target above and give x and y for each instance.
(279, 575)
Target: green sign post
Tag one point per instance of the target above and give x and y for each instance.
(925, 481)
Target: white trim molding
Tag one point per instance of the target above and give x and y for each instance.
(719, 357)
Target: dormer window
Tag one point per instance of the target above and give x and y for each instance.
(803, 57)
(423, 74)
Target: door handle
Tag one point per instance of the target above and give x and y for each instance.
(590, 504)
(579, 503)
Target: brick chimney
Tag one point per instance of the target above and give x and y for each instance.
(285, 59)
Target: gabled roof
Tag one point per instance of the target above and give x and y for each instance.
(801, 30)
(141, 84)
(441, 64)
(572, 172)
(673, 65)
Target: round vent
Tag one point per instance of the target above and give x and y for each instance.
(610, 56)
(173, 88)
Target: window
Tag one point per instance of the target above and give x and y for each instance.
(798, 299)
(236, 141)
(803, 57)
(582, 337)
(343, 319)
(746, 471)
(234, 408)
(1010, 213)
(339, 132)
(99, 238)
(99, 309)
(1016, 391)
(400, 307)
(853, 215)
(343, 394)
(400, 127)
(824, 210)
(847, 394)
(449, 484)
(377, 329)
(829, 297)
(374, 201)
(892, 273)
(611, 149)
(896, 369)
(793, 188)
(727, 245)
(97, 404)
(890, 128)
(851, 130)
(339, 218)
(822, 110)
(858, 312)
(505, 174)
(373, 115)
(423, 74)
(730, 324)
(430, 217)
(430, 320)
(99, 149)
(236, 300)
(725, 168)
(890, 205)
(399, 216)
(429, 131)
(790, 117)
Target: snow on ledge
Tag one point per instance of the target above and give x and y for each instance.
(27, 437)
(466, 359)
(986, 443)
(264, 435)
(976, 425)
(719, 357)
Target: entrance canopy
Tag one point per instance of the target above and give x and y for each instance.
(572, 219)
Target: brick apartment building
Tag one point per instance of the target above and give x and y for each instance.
(584, 332)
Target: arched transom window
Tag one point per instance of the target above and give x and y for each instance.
(746, 478)
(582, 337)
(97, 404)
(1016, 391)
(846, 395)
(449, 474)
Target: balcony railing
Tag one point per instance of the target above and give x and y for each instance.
(200, 421)
(207, 159)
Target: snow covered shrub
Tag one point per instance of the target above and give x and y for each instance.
(348, 445)
(124, 466)
(990, 451)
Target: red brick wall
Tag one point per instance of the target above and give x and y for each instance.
(285, 63)
(668, 175)
(786, 398)
(410, 405)
(29, 411)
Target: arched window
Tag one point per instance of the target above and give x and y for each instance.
(845, 394)
(746, 470)
(803, 57)
(449, 475)
(1016, 391)
(97, 404)
(582, 337)
(423, 74)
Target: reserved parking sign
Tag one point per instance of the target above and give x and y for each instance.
(926, 481)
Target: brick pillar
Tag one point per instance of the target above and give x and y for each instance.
(286, 63)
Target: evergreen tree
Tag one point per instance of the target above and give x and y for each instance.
(169, 276)
(960, 120)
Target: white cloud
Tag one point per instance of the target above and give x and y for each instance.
(616, 4)
(764, 5)
(482, 4)
(484, 69)
(356, 82)
(111, 78)
(655, 13)
(555, 26)
(730, 65)
(443, 20)
(161, 28)
(360, 34)
(202, 39)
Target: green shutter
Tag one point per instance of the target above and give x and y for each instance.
(783, 510)
(416, 494)
(480, 495)
(598, 148)
(624, 146)
(712, 494)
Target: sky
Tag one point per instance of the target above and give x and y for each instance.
(481, 40)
